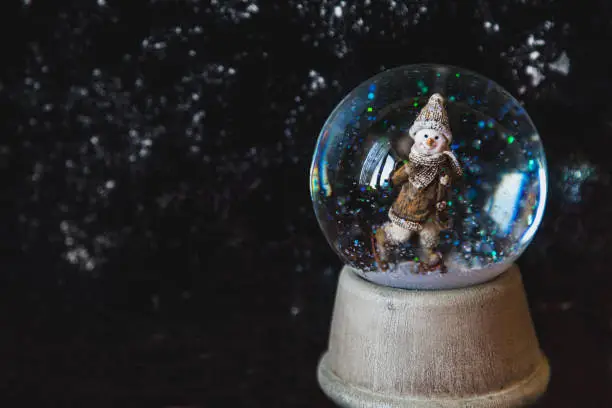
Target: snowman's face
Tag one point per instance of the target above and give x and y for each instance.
(429, 141)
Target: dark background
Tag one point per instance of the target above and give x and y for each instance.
(159, 247)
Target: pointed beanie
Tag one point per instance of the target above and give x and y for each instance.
(433, 116)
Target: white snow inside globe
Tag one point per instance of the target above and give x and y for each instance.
(429, 177)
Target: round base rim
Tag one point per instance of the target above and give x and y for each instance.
(520, 394)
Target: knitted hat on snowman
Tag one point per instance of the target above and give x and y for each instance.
(433, 116)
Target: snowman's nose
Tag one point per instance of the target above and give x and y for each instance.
(430, 142)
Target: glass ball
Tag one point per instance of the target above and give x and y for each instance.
(429, 177)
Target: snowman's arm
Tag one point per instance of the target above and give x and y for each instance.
(453, 170)
(400, 176)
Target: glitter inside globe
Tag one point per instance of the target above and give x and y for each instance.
(383, 201)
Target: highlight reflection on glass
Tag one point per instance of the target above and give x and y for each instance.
(505, 202)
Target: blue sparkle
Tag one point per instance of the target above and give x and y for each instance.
(456, 242)
(372, 87)
(471, 194)
(531, 164)
(371, 95)
(481, 124)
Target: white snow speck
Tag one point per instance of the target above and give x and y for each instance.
(316, 80)
(338, 11)
(536, 75)
(253, 8)
(531, 41)
(561, 64)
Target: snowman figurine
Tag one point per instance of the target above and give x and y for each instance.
(424, 181)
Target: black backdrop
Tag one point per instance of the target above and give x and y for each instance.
(159, 246)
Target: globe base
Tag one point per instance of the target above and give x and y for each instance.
(470, 347)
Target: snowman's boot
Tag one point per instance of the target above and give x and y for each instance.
(432, 259)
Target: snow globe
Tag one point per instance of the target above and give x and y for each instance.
(429, 181)
(429, 177)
